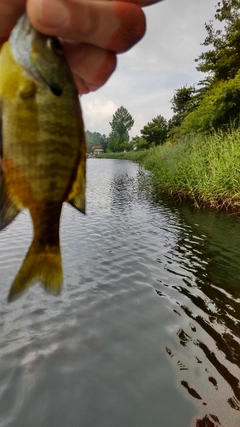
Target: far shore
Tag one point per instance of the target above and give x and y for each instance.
(205, 169)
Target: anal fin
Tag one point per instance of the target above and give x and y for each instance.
(76, 197)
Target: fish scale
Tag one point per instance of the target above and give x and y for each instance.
(43, 148)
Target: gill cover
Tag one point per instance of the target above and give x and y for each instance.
(40, 56)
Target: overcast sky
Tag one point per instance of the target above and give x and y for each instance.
(147, 75)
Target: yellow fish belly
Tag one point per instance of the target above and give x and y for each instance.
(42, 165)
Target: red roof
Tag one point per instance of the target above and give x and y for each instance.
(97, 147)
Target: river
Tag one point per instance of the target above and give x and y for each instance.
(146, 331)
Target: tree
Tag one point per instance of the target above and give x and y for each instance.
(104, 142)
(121, 124)
(215, 104)
(155, 132)
(139, 143)
(218, 108)
(222, 61)
(183, 102)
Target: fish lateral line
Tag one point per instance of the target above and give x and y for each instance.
(42, 148)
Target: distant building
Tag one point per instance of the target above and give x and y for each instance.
(97, 149)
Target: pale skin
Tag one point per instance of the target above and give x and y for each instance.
(93, 32)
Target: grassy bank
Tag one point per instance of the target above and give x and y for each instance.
(203, 168)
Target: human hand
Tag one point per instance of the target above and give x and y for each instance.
(93, 31)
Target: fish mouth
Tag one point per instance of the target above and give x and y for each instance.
(22, 29)
(20, 41)
(25, 26)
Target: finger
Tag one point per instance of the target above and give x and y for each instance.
(91, 66)
(10, 11)
(111, 25)
(143, 3)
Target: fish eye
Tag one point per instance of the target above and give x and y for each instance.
(55, 45)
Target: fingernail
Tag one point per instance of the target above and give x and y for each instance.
(53, 13)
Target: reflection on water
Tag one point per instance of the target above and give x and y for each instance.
(207, 297)
(146, 331)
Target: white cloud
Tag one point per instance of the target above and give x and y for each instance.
(147, 75)
(97, 113)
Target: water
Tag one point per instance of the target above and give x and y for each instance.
(146, 331)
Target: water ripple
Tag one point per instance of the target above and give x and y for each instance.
(149, 315)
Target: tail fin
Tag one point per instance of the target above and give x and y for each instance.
(39, 266)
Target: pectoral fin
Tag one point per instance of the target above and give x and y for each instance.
(76, 197)
(8, 211)
(27, 89)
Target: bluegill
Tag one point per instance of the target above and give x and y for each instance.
(42, 148)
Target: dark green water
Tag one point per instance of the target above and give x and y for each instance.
(146, 332)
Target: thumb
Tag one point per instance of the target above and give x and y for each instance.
(85, 21)
(48, 16)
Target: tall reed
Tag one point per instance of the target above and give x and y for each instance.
(203, 168)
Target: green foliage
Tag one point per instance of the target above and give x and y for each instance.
(222, 60)
(216, 105)
(219, 107)
(126, 146)
(139, 143)
(117, 143)
(201, 164)
(183, 102)
(135, 156)
(121, 124)
(104, 142)
(174, 132)
(205, 169)
(155, 132)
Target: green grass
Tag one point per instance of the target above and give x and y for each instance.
(203, 168)
(135, 156)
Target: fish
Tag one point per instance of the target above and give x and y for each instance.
(42, 149)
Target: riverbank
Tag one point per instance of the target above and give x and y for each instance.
(205, 169)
